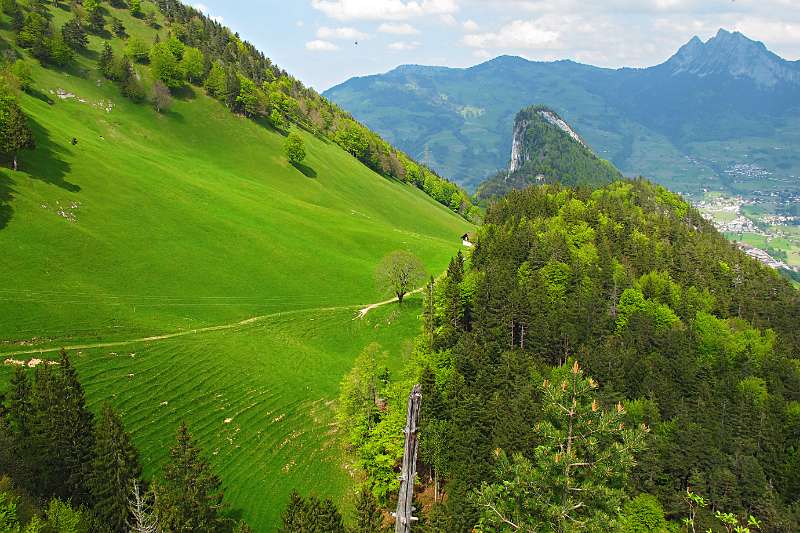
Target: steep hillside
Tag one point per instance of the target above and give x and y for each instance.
(685, 123)
(225, 279)
(597, 347)
(545, 149)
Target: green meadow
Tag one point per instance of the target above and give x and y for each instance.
(192, 225)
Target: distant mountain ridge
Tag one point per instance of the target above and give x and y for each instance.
(684, 122)
(545, 149)
(735, 55)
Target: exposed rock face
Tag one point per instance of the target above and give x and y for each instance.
(735, 55)
(518, 155)
(557, 121)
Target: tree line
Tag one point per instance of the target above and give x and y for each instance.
(601, 360)
(201, 52)
(67, 470)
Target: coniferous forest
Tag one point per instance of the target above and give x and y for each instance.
(602, 360)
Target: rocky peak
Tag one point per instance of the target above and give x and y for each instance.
(733, 54)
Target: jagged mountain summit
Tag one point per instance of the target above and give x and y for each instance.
(735, 55)
(545, 149)
(684, 122)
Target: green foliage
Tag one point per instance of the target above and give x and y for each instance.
(250, 100)
(62, 518)
(15, 133)
(311, 515)
(637, 290)
(643, 514)
(116, 468)
(193, 64)
(137, 50)
(23, 73)
(215, 82)
(8, 513)
(399, 273)
(369, 517)
(295, 149)
(189, 497)
(579, 471)
(135, 7)
(74, 34)
(165, 65)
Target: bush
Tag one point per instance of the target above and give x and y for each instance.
(295, 149)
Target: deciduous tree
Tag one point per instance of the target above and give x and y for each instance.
(399, 272)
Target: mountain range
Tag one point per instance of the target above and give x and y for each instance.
(721, 115)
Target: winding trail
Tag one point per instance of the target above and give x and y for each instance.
(362, 312)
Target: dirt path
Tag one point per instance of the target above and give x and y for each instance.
(362, 312)
(115, 344)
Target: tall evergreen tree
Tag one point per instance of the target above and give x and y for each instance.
(106, 62)
(189, 497)
(369, 518)
(76, 433)
(116, 468)
(74, 34)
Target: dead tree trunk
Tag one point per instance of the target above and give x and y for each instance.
(405, 509)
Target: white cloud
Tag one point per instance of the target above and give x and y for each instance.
(397, 28)
(471, 26)
(616, 33)
(202, 8)
(299, 23)
(518, 34)
(384, 9)
(448, 19)
(403, 46)
(340, 33)
(321, 46)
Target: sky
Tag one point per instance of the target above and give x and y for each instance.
(315, 40)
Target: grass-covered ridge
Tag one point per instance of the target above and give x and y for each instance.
(159, 223)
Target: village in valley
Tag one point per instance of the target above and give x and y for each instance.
(765, 226)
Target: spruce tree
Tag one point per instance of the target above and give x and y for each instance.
(74, 34)
(294, 516)
(189, 497)
(76, 437)
(369, 518)
(116, 468)
(106, 62)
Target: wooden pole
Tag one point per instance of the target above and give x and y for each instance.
(403, 516)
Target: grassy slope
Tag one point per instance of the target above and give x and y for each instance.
(192, 219)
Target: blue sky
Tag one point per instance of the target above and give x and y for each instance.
(315, 39)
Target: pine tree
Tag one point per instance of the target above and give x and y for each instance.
(189, 497)
(74, 34)
(106, 62)
(19, 420)
(76, 439)
(369, 518)
(116, 469)
(294, 515)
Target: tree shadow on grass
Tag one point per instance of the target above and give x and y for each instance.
(39, 95)
(185, 92)
(6, 195)
(46, 162)
(306, 170)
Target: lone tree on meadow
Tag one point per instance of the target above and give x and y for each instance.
(295, 149)
(15, 133)
(399, 272)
